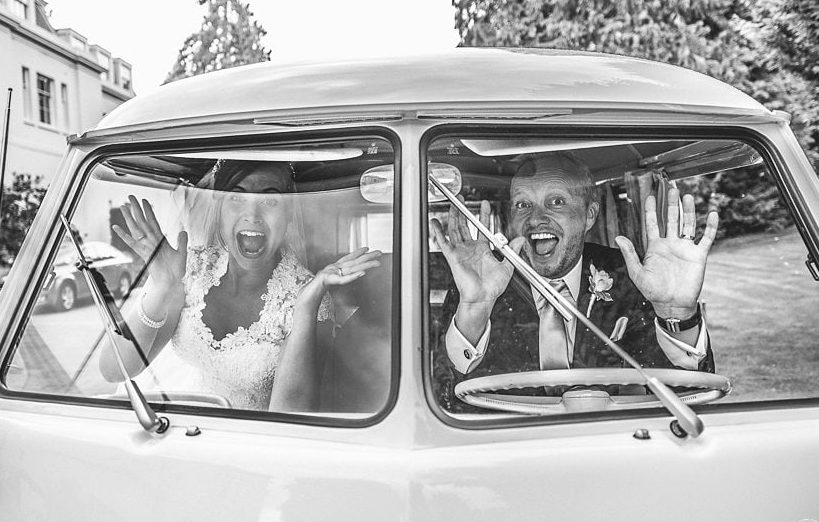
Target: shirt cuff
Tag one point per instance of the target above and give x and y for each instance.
(462, 354)
(680, 353)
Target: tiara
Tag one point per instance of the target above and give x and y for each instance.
(209, 179)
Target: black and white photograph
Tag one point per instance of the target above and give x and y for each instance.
(409, 260)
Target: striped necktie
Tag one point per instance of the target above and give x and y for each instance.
(554, 348)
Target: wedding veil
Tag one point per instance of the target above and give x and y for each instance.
(200, 215)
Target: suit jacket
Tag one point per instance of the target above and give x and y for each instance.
(514, 341)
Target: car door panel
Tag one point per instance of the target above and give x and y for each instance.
(746, 469)
(110, 469)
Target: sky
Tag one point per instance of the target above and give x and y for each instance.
(149, 33)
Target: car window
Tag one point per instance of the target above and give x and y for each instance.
(254, 279)
(495, 346)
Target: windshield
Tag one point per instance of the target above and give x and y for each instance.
(249, 279)
(650, 239)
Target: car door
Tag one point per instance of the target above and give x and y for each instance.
(540, 454)
(71, 445)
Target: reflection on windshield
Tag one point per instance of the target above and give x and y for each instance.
(250, 283)
(623, 230)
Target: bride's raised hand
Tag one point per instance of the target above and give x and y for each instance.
(349, 268)
(166, 265)
(344, 271)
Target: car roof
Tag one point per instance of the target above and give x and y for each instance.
(458, 76)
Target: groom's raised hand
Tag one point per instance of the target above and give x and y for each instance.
(478, 274)
(672, 271)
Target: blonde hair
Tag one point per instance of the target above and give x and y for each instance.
(201, 206)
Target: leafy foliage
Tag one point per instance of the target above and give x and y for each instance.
(747, 201)
(766, 48)
(790, 30)
(20, 204)
(793, 32)
(227, 38)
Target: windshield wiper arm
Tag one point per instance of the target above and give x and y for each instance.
(685, 417)
(116, 327)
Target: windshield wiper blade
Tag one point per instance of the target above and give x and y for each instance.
(116, 327)
(687, 419)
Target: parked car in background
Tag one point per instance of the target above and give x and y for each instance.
(397, 433)
(65, 285)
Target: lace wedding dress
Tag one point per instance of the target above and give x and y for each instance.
(241, 367)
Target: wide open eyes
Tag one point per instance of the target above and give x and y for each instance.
(553, 202)
(271, 200)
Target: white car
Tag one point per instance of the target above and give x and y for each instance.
(399, 432)
(63, 291)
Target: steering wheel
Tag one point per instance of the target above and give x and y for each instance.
(478, 391)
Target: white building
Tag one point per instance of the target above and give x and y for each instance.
(62, 86)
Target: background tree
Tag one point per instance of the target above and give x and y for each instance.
(793, 32)
(766, 48)
(20, 203)
(227, 38)
(790, 29)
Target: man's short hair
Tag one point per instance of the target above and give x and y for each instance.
(533, 164)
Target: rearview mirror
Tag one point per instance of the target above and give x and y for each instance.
(378, 183)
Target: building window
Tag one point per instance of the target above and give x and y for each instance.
(105, 61)
(26, 93)
(20, 8)
(64, 106)
(45, 99)
(126, 78)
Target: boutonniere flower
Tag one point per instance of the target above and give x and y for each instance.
(600, 282)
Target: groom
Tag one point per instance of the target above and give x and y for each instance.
(499, 324)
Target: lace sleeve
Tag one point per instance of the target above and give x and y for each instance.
(325, 312)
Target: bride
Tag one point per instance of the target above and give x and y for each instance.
(243, 310)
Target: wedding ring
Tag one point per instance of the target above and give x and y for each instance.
(688, 236)
(340, 271)
(140, 238)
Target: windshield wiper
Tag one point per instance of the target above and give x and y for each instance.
(116, 328)
(688, 421)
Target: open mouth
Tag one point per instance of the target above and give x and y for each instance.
(543, 243)
(251, 243)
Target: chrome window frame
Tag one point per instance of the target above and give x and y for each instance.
(779, 171)
(80, 179)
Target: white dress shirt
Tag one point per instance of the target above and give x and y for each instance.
(678, 352)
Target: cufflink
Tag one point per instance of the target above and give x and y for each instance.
(467, 354)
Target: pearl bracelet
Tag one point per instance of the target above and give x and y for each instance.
(147, 321)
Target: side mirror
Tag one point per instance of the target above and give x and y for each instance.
(378, 183)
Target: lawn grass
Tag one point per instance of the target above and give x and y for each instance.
(763, 316)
